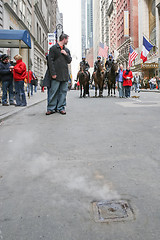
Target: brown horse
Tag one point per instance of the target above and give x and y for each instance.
(83, 78)
(98, 78)
(111, 78)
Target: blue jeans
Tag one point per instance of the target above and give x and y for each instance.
(30, 88)
(136, 87)
(35, 88)
(121, 89)
(7, 86)
(20, 93)
(127, 91)
(57, 96)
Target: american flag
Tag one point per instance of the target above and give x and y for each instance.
(132, 56)
(103, 50)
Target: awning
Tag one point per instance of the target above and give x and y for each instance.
(11, 38)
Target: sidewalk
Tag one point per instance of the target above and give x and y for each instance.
(7, 111)
(148, 90)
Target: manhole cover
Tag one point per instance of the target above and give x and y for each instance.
(112, 211)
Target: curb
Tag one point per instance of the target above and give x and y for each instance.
(7, 115)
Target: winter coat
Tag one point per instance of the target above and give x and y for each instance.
(96, 65)
(19, 71)
(5, 73)
(86, 64)
(31, 76)
(58, 63)
(127, 82)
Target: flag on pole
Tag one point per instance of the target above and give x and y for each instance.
(132, 56)
(103, 50)
(147, 46)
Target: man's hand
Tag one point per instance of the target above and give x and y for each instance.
(54, 76)
(63, 52)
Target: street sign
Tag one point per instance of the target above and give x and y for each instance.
(51, 40)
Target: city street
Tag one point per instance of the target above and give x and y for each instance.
(53, 168)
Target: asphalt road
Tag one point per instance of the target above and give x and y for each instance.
(52, 169)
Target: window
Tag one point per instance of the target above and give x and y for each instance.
(14, 4)
(29, 19)
(22, 9)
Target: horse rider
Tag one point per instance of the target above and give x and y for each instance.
(86, 66)
(109, 62)
(96, 63)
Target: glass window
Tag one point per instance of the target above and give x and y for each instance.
(22, 9)
(29, 19)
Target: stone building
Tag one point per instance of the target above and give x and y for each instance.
(39, 18)
(96, 27)
(149, 27)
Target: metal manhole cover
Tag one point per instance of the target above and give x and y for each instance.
(112, 211)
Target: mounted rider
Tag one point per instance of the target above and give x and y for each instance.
(86, 66)
(96, 63)
(109, 62)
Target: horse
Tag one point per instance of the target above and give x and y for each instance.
(111, 78)
(98, 77)
(84, 81)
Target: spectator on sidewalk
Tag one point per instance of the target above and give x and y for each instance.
(42, 84)
(152, 83)
(158, 82)
(120, 81)
(30, 85)
(19, 74)
(7, 81)
(127, 81)
(136, 82)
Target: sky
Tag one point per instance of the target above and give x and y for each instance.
(71, 10)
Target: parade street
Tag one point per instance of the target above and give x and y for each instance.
(53, 170)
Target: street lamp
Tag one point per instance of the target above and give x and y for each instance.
(58, 27)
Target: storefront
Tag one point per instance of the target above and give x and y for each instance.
(149, 70)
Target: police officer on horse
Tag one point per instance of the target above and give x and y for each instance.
(85, 66)
(109, 62)
(96, 63)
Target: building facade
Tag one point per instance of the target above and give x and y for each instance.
(96, 27)
(104, 22)
(39, 18)
(149, 27)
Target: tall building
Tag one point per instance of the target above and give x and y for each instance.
(86, 25)
(39, 18)
(96, 27)
(89, 19)
(83, 26)
(123, 27)
(104, 22)
(112, 14)
(149, 27)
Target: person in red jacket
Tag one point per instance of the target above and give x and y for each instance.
(19, 74)
(127, 81)
(30, 85)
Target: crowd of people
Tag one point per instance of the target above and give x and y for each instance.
(13, 77)
(125, 80)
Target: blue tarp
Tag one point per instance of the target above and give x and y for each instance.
(10, 38)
